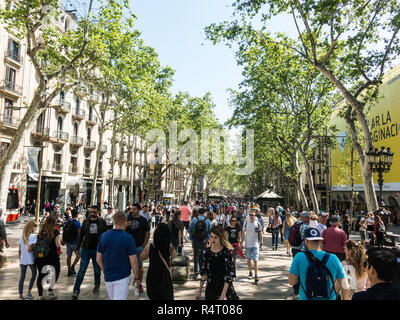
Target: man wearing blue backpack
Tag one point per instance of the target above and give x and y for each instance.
(317, 271)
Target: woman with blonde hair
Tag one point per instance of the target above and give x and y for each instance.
(354, 266)
(289, 221)
(26, 259)
(218, 268)
(313, 220)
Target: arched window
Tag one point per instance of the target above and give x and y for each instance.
(75, 129)
(59, 124)
(66, 25)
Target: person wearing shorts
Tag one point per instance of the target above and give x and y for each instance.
(253, 238)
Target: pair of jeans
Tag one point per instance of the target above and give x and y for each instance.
(275, 237)
(23, 268)
(47, 269)
(198, 247)
(86, 255)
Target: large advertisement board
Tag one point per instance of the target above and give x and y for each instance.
(384, 121)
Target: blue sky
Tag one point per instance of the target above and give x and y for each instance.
(175, 29)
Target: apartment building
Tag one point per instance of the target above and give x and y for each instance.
(69, 131)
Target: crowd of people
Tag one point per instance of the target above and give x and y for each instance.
(326, 263)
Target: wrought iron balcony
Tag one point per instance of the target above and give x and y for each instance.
(77, 140)
(60, 135)
(90, 144)
(11, 88)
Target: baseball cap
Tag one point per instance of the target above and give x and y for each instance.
(312, 234)
(305, 214)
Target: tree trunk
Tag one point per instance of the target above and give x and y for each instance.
(311, 187)
(111, 191)
(96, 167)
(299, 184)
(368, 182)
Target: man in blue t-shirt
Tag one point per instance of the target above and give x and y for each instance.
(116, 256)
(298, 269)
(71, 246)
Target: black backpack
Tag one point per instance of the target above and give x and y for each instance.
(200, 230)
(317, 278)
(41, 248)
(69, 232)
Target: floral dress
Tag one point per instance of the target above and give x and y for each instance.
(219, 269)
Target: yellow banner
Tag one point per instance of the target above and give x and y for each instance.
(384, 121)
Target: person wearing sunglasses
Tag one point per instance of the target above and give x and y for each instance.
(253, 242)
(234, 232)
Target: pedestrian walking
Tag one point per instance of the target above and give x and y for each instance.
(289, 221)
(176, 228)
(253, 243)
(234, 235)
(70, 237)
(221, 218)
(218, 268)
(346, 225)
(158, 279)
(381, 270)
(316, 271)
(3, 242)
(275, 222)
(47, 252)
(199, 233)
(26, 258)
(363, 228)
(354, 267)
(334, 239)
(108, 216)
(116, 257)
(91, 230)
(139, 228)
(186, 213)
(379, 231)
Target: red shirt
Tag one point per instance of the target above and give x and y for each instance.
(185, 213)
(334, 239)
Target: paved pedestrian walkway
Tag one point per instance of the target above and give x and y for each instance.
(273, 272)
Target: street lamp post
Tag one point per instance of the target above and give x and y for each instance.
(380, 162)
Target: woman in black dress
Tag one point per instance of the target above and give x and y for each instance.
(158, 280)
(218, 268)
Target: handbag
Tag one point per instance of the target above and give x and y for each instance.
(231, 293)
(269, 228)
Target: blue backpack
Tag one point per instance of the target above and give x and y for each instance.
(317, 278)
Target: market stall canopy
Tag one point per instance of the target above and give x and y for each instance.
(169, 195)
(269, 194)
(216, 195)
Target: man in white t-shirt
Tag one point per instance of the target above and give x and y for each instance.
(253, 238)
